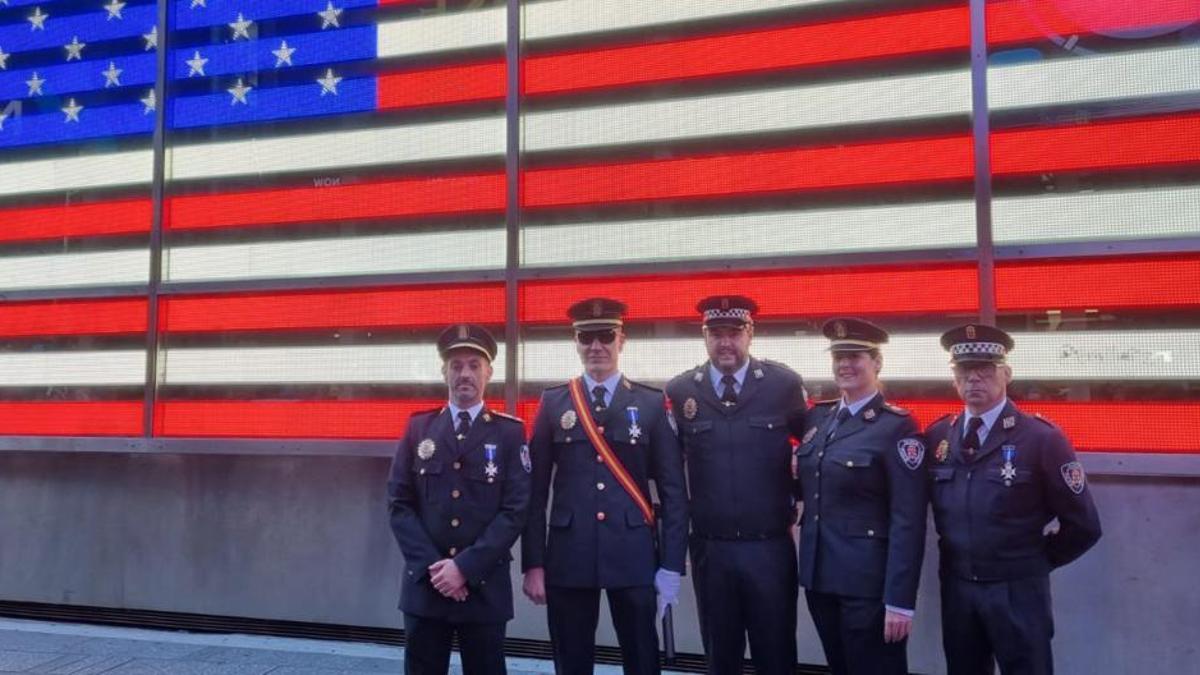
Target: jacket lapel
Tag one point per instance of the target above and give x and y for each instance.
(706, 391)
(751, 385)
(621, 398)
(1005, 424)
(866, 416)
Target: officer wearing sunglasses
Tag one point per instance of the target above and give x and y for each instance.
(603, 438)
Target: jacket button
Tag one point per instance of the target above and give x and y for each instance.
(457, 466)
(870, 533)
(816, 517)
(770, 426)
(599, 486)
(820, 454)
(816, 495)
(600, 516)
(567, 439)
(454, 522)
(455, 494)
(849, 463)
(599, 459)
(818, 474)
(453, 551)
(600, 429)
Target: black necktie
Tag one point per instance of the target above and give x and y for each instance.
(598, 393)
(843, 415)
(971, 442)
(464, 425)
(728, 391)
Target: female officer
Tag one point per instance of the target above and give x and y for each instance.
(861, 474)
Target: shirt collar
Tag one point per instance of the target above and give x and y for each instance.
(858, 405)
(715, 375)
(989, 418)
(610, 384)
(473, 410)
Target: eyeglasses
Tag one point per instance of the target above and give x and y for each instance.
(606, 337)
(983, 370)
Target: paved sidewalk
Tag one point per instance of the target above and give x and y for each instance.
(73, 649)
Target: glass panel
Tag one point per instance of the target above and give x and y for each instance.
(1095, 112)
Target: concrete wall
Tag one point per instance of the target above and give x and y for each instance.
(306, 539)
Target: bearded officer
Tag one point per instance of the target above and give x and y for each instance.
(604, 438)
(459, 497)
(863, 480)
(1000, 477)
(735, 411)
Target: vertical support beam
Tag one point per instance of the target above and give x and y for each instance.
(512, 209)
(981, 134)
(157, 192)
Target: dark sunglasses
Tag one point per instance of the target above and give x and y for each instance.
(606, 337)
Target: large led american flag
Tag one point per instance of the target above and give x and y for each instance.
(815, 154)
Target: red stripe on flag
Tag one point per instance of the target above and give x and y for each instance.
(874, 37)
(442, 86)
(1021, 20)
(1138, 283)
(1099, 426)
(422, 196)
(36, 223)
(409, 307)
(70, 418)
(1147, 142)
(813, 293)
(73, 317)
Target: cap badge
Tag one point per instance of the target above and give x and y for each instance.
(970, 332)
(597, 309)
(463, 331)
(426, 448)
(725, 303)
(839, 329)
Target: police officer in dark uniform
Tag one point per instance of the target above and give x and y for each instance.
(734, 415)
(999, 477)
(604, 437)
(862, 476)
(459, 497)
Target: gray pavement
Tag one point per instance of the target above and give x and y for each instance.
(49, 648)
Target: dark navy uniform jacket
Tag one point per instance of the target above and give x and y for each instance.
(865, 493)
(991, 520)
(447, 502)
(739, 457)
(597, 536)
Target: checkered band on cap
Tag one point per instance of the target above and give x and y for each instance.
(738, 313)
(978, 348)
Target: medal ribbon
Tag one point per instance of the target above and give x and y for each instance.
(575, 386)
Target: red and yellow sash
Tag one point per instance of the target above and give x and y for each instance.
(575, 386)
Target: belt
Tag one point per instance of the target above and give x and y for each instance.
(742, 535)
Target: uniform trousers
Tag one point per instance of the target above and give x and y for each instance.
(851, 632)
(574, 613)
(1009, 623)
(746, 587)
(427, 646)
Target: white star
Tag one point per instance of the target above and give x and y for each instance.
(37, 20)
(75, 49)
(329, 83)
(35, 84)
(114, 8)
(283, 54)
(239, 92)
(329, 16)
(72, 111)
(197, 3)
(196, 64)
(150, 101)
(4, 60)
(151, 39)
(241, 27)
(112, 76)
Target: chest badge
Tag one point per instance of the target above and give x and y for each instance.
(689, 409)
(426, 448)
(635, 431)
(568, 420)
(943, 452)
(1008, 472)
(490, 469)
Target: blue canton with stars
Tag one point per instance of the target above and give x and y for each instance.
(75, 70)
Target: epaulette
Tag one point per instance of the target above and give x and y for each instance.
(631, 384)
(946, 416)
(775, 364)
(556, 386)
(506, 416)
(828, 401)
(431, 411)
(1045, 421)
(895, 409)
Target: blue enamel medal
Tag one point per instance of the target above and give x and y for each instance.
(635, 431)
(490, 469)
(1008, 472)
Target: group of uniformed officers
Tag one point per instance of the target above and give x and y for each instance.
(728, 480)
